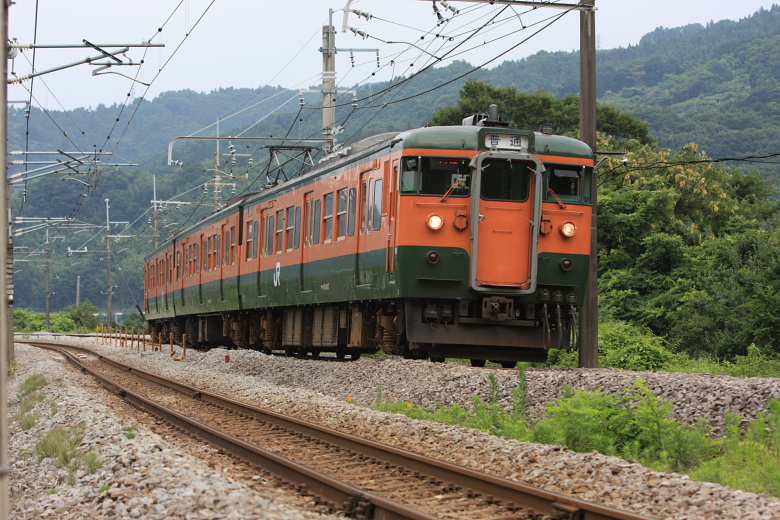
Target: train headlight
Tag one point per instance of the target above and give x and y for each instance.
(435, 222)
(568, 229)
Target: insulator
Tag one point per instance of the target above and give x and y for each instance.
(354, 100)
(250, 161)
(301, 101)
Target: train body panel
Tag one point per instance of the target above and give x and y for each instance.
(434, 239)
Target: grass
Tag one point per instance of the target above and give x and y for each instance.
(30, 397)
(32, 383)
(130, 431)
(637, 425)
(60, 445)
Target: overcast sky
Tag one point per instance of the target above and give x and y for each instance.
(254, 43)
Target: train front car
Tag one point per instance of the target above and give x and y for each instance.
(493, 242)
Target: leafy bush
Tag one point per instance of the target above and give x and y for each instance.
(625, 346)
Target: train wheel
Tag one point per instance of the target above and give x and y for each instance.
(437, 360)
(478, 362)
(355, 356)
(508, 364)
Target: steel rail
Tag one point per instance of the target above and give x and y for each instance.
(554, 505)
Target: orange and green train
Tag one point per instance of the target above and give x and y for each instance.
(467, 241)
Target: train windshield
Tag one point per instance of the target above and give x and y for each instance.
(435, 176)
(505, 180)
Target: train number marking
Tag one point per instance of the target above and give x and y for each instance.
(278, 275)
(325, 287)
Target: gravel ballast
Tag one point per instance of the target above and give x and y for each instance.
(318, 391)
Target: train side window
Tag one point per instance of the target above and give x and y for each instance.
(170, 269)
(297, 227)
(178, 265)
(186, 261)
(197, 257)
(250, 239)
(351, 215)
(232, 244)
(288, 234)
(327, 218)
(341, 213)
(279, 230)
(307, 225)
(205, 255)
(257, 238)
(218, 248)
(269, 245)
(377, 204)
(316, 219)
(151, 276)
(364, 208)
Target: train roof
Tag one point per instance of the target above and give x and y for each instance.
(472, 138)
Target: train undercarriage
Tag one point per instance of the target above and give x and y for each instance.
(500, 329)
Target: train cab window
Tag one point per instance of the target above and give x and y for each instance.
(250, 239)
(565, 182)
(279, 230)
(327, 218)
(377, 218)
(288, 234)
(217, 249)
(341, 214)
(257, 238)
(351, 214)
(505, 180)
(269, 231)
(315, 232)
(297, 227)
(435, 176)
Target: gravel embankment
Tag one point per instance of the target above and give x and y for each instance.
(317, 391)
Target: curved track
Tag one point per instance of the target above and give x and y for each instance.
(361, 478)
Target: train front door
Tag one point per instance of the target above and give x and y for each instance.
(506, 211)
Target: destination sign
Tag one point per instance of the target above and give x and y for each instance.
(506, 142)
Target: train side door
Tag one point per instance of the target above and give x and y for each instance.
(312, 214)
(365, 192)
(391, 175)
(507, 200)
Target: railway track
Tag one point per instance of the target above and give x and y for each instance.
(360, 478)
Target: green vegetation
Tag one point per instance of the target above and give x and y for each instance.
(130, 431)
(637, 425)
(29, 397)
(60, 445)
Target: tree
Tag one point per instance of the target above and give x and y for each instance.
(84, 316)
(532, 111)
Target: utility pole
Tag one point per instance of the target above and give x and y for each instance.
(47, 250)
(6, 334)
(78, 290)
(589, 316)
(108, 266)
(329, 81)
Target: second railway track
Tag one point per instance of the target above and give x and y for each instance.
(361, 478)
